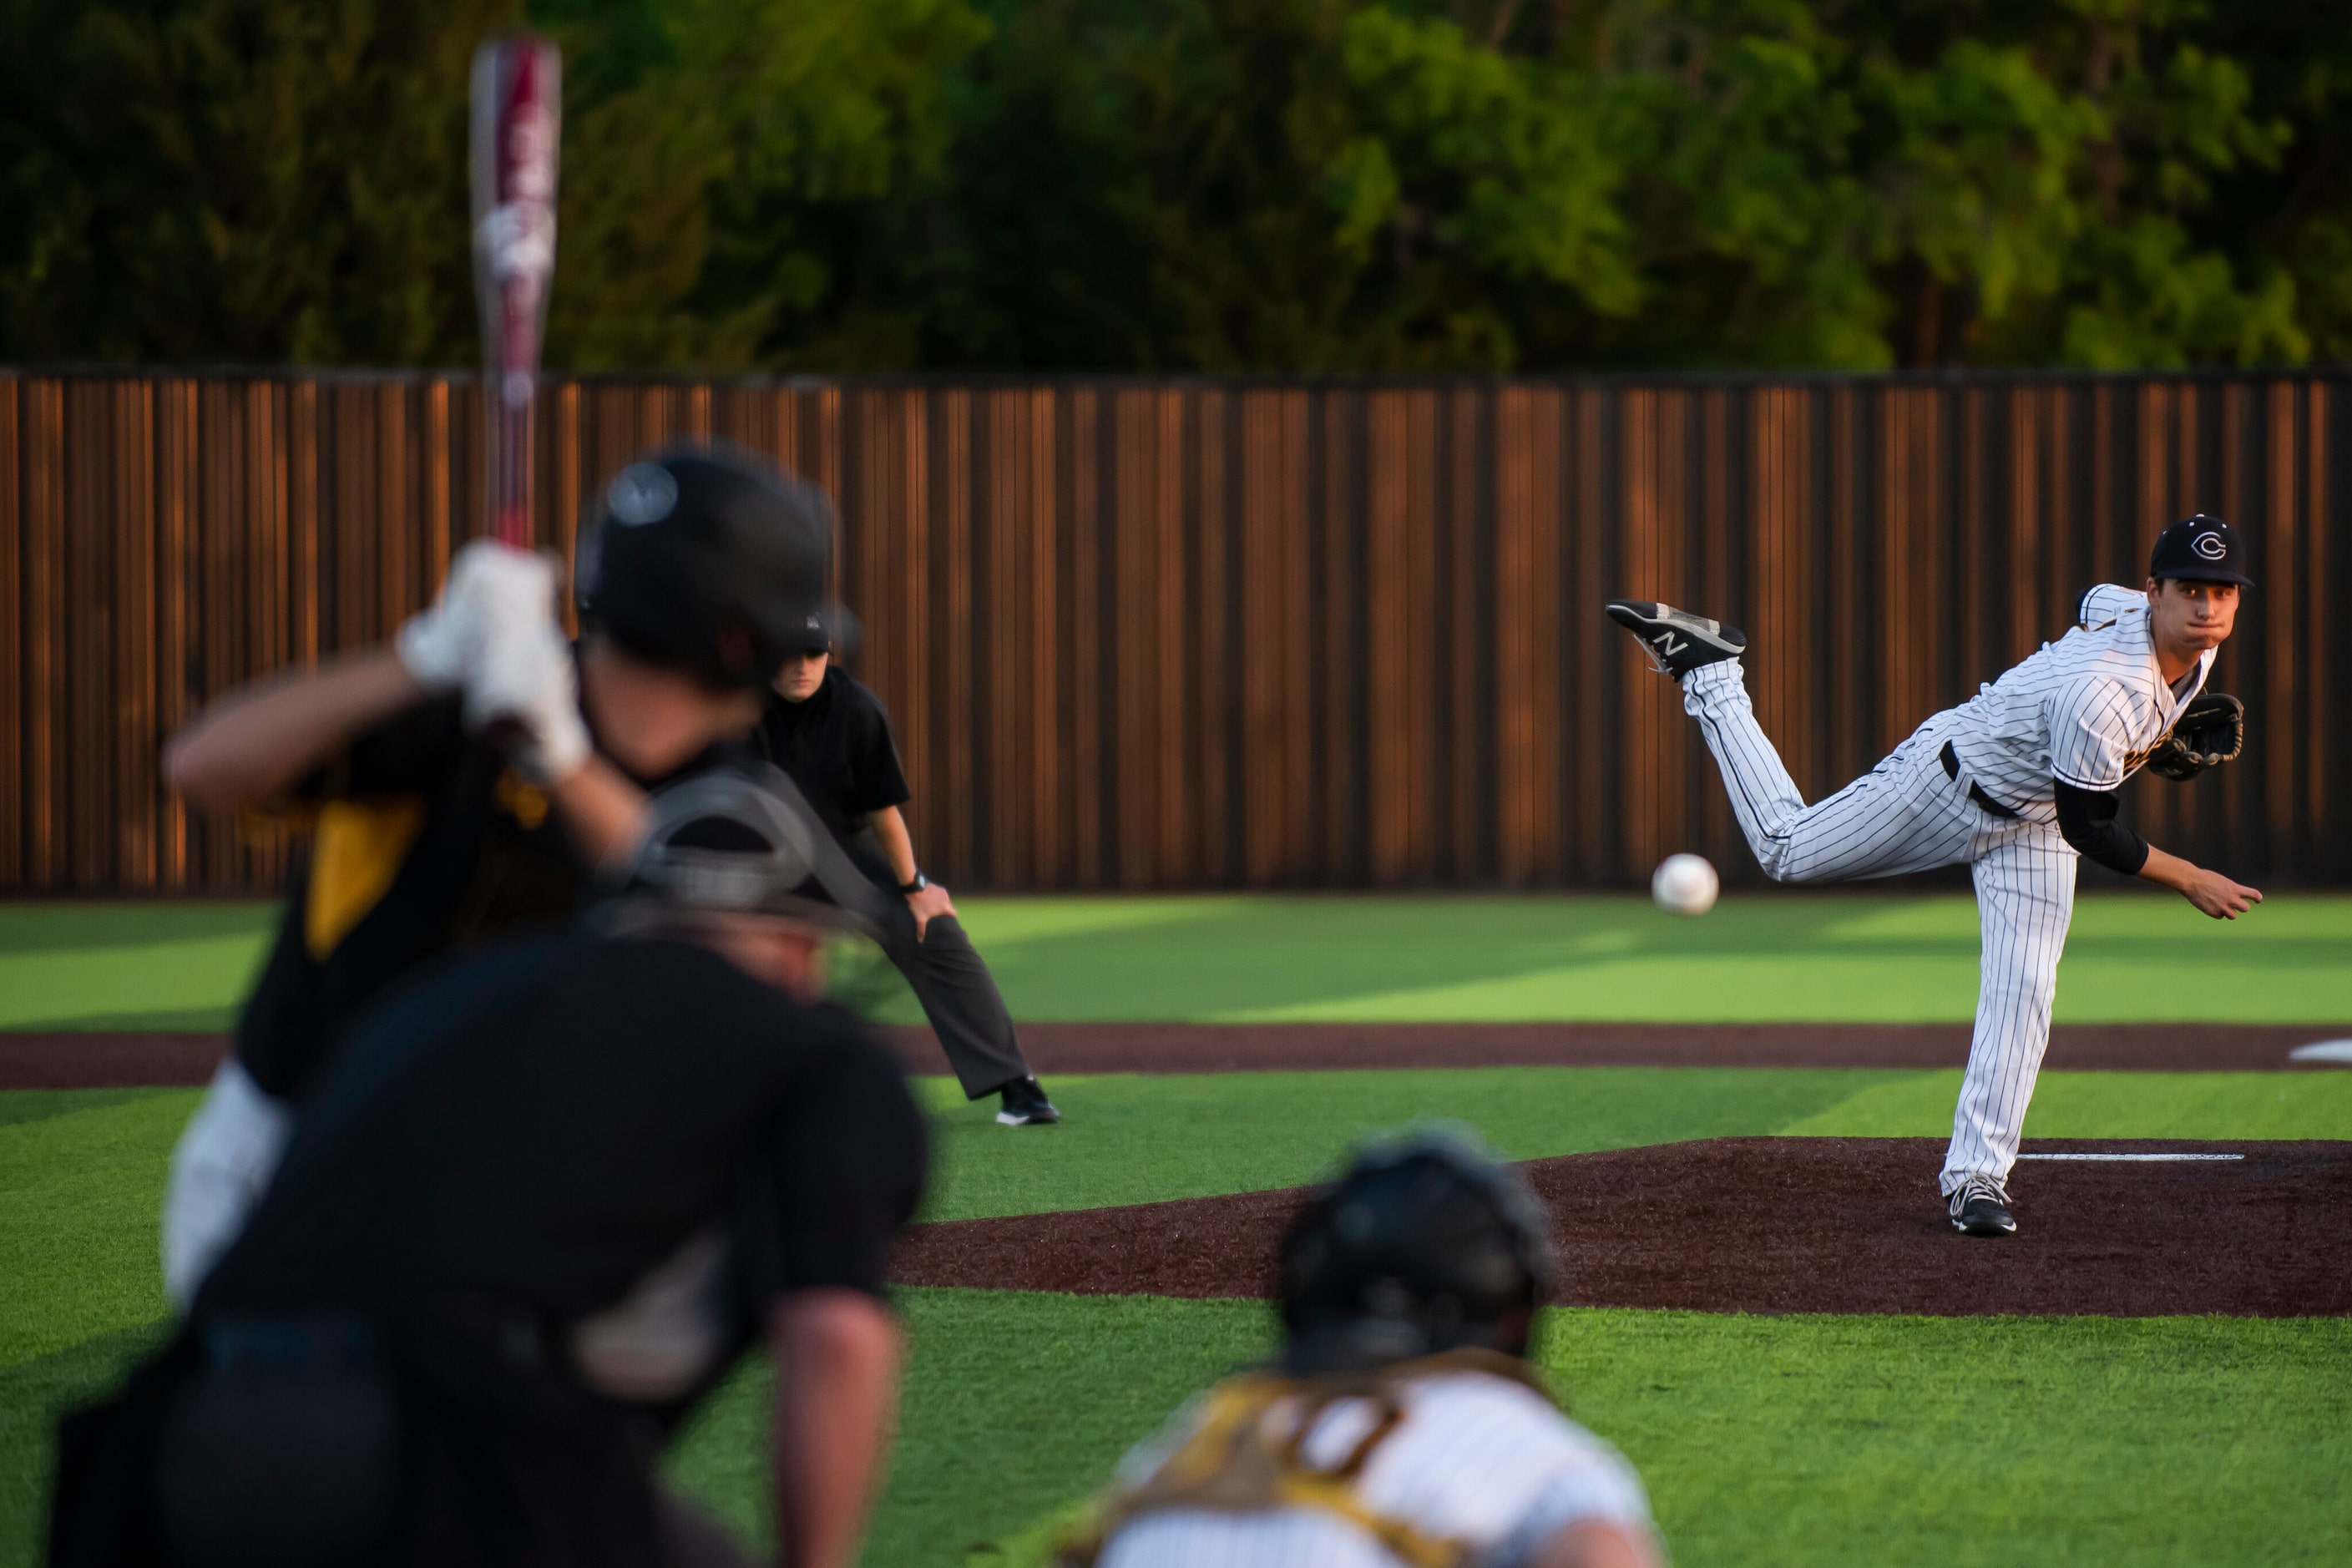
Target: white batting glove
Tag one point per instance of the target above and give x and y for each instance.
(436, 644)
(513, 588)
(525, 678)
(489, 585)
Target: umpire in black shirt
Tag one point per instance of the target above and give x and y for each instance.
(831, 735)
(540, 1200)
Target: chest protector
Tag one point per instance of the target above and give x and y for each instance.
(1244, 1456)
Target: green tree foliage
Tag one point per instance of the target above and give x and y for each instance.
(239, 179)
(1219, 185)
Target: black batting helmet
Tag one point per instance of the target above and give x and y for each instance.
(710, 559)
(1423, 1243)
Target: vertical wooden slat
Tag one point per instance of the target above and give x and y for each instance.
(1337, 418)
(137, 736)
(1911, 583)
(2281, 692)
(1267, 610)
(177, 498)
(88, 801)
(1781, 547)
(1653, 499)
(1528, 617)
(1134, 544)
(1087, 683)
(44, 608)
(1211, 637)
(12, 629)
(1043, 786)
(1603, 569)
(1175, 847)
(1850, 694)
(1005, 630)
(2326, 597)
(1390, 636)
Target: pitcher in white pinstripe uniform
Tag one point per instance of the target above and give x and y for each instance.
(2016, 783)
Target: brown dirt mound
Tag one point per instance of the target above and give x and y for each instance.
(1788, 1224)
(73, 1059)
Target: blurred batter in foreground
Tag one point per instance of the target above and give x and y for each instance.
(469, 778)
(537, 1206)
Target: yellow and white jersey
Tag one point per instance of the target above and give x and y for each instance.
(1448, 1468)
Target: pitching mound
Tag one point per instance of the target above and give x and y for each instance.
(1789, 1224)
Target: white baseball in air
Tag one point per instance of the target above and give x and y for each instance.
(1685, 885)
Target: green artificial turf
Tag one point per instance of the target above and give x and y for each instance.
(1786, 1440)
(1827, 1440)
(1758, 956)
(79, 1193)
(1859, 1440)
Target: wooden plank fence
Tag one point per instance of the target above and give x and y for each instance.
(1202, 635)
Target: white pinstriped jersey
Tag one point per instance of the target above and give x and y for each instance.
(1477, 1458)
(2088, 709)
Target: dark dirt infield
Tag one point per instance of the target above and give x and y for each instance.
(1787, 1224)
(95, 1060)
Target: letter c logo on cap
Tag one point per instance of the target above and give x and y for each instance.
(2212, 546)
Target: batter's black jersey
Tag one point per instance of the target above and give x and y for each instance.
(533, 1130)
(421, 838)
(837, 747)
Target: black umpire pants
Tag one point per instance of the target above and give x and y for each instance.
(958, 994)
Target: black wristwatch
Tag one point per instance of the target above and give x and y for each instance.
(916, 886)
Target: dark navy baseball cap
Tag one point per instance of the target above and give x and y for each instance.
(2199, 549)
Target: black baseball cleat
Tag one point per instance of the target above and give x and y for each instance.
(1676, 641)
(1980, 1208)
(1025, 1105)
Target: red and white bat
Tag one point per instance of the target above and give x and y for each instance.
(518, 118)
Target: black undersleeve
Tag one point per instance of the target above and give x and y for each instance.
(2087, 818)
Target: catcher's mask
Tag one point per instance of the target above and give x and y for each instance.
(1423, 1243)
(739, 840)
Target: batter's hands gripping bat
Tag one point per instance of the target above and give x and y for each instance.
(517, 115)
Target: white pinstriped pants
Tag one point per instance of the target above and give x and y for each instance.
(1905, 815)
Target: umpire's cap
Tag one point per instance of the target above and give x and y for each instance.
(1425, 1243)
(711, 559)
(742, 840)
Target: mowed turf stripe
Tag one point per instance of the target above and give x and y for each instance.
(1810, 1440)
(1758, 957)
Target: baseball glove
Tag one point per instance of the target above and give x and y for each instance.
(2210, 731)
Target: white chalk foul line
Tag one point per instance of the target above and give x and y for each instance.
(2134, 1157)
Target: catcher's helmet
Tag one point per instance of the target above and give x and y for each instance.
(1423, 1243)
(709, 559)
(741, 840)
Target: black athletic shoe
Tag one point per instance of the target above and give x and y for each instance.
(1025, 1105)
(1981, 1208)
(1676, 641)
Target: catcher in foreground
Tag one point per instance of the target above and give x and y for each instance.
(1402, 1424)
